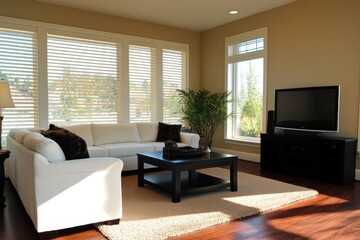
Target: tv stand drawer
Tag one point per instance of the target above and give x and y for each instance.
(298, 148)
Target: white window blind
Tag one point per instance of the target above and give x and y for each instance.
(82, 80)
(81, 77)
(18, 65)
(174, 76)
(142, 83)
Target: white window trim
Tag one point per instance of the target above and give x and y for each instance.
(44, 28)
(243, 37)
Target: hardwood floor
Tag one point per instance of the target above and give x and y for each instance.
(333, 214)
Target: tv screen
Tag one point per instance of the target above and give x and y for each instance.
(308, 109)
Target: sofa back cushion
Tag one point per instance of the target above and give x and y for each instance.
(148, 131)
(19, 133)
(114, 133)
(83, 130)
(45, 146)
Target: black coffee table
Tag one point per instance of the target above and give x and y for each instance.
(183, 178)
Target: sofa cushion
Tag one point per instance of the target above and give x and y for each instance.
(157, 146)
(13, 132)
(19, 134)
(45, 146)
(83, 130)
(119, 150)
(148, 131)
(114, 133)
(73, 146)
(96, 152)
(168, 132)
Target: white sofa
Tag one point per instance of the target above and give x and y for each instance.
(60, 194)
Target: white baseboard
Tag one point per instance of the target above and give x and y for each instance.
(252, 157)
(357, 174)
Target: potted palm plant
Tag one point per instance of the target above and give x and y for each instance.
(204, 111)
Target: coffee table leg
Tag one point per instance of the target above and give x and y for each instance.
(176, 186)
(191, 177)
(233, 176)
(140, 172)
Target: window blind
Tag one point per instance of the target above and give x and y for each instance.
(174, 75)
(142, 83)
(18, 66)
(82, 80)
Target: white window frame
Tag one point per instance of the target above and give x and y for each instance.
(124, 40)
(233, 40)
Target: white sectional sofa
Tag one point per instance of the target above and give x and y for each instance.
(59, 193)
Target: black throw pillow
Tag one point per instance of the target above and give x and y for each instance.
(73, 146)
(168, 132)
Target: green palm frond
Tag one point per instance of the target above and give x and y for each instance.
(204, 111)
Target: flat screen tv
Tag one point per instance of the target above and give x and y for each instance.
(313, 109)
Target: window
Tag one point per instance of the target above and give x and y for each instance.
(245, 69)
(142, 83)
(174, 77)
(145, 79)
(18, 66)
(88, 76)
(82, 80)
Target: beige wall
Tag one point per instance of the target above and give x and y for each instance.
(43, 12)
(310, 42)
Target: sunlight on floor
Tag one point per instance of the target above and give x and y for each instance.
(316, 216)
(258, 200)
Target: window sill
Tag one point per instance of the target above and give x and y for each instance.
(244, 142)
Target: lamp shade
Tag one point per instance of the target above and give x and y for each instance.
(5, 96)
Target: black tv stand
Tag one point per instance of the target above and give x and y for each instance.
(329, 159)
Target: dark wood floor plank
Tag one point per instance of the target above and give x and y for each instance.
(333, 214)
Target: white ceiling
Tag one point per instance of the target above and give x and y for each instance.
(196, 15)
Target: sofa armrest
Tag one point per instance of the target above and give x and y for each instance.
(77, 192)
(191, 139)
(44, 168)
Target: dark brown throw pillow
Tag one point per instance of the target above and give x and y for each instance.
(73, 146)
(168, 132)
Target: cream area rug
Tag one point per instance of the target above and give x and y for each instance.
(150, 214)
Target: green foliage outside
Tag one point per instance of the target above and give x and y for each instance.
(22, 85)
(3, 76)
(250, 107)
(171, 104)
(140, 105)
(79, 91)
